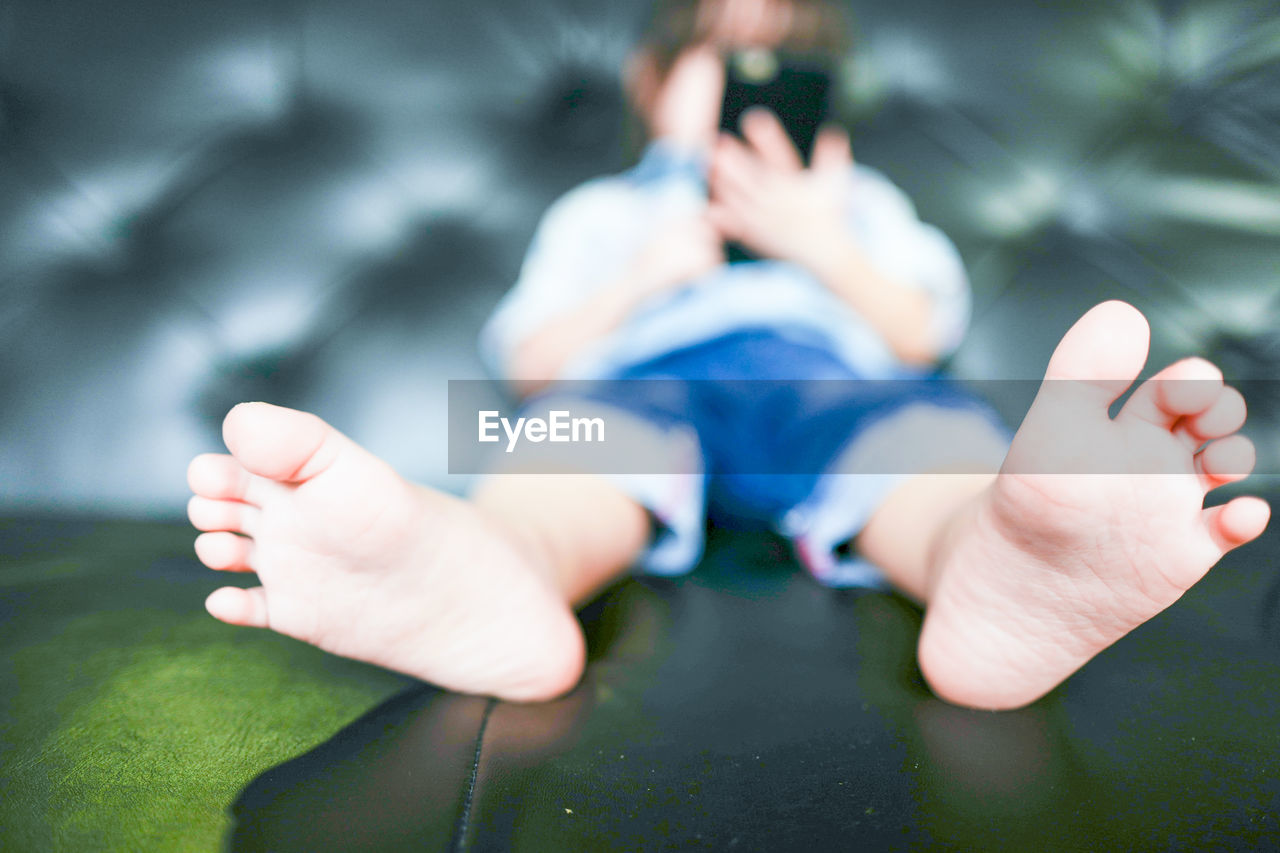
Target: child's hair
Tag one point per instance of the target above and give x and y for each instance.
(820, 28)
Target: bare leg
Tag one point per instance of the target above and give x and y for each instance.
(358, 561)
(892, 537)
(583, 528)
(1026, 576)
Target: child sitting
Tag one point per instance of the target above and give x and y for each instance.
(1025, 572)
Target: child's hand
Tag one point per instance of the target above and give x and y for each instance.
(685, 109)
(678, 254)
(763, 197)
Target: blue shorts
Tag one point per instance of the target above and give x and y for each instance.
(778, 433)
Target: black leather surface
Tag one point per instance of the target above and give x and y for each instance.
(400, 778)
(746, 708)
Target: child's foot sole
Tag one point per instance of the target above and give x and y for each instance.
(1045, 570)
(361, 563)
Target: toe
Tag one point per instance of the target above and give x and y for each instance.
(278, 443)
(1239, 521)
(237, 606)
(208, 514)
(225, 551)
(220, 477)
(1225, 416)
(1105, 350)
(1226, 460)
(1183, 389)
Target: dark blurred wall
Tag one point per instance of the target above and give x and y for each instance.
(317, 203)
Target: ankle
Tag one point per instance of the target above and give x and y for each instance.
(537, 553)
(959, 516)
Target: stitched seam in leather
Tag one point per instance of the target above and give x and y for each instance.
(460, 833)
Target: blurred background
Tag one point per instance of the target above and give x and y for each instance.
(318, 203)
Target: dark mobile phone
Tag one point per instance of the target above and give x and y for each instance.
(796, 90)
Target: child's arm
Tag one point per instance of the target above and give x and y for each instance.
(902, 315)
(679, 254)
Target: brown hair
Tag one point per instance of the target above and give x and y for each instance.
(820, 28)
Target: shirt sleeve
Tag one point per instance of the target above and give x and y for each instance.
(578, 247)
(912, 252)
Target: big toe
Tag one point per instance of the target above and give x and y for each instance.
(1106, 348)
(279, 443)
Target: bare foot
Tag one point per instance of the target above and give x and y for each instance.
(361, 563)
(1045, 570)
